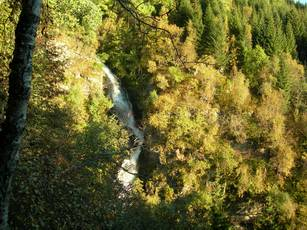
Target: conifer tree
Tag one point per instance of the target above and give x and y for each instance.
(214, 37)
(183, 13)
(197, 17)
(290, 39)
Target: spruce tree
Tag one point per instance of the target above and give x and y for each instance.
(214, 37)
(290, 39)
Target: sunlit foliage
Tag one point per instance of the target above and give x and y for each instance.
(219, 88)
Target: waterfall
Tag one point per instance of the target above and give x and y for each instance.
(123, 109)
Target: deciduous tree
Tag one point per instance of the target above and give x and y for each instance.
(19, 92)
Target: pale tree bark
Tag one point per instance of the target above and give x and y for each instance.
(19, 92)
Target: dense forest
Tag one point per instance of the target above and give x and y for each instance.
(218, 87)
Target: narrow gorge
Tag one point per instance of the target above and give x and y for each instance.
(124, 112)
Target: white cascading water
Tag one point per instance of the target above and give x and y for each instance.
(123, 108)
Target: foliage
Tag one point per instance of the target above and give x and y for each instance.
(219, 88)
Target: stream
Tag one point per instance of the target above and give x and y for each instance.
(124, 112)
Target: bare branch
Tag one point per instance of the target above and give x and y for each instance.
(139, 18)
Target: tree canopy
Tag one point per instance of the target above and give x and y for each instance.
(218, 87)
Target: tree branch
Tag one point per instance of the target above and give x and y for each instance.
(137, 17)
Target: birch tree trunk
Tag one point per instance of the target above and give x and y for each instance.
(19, 92)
